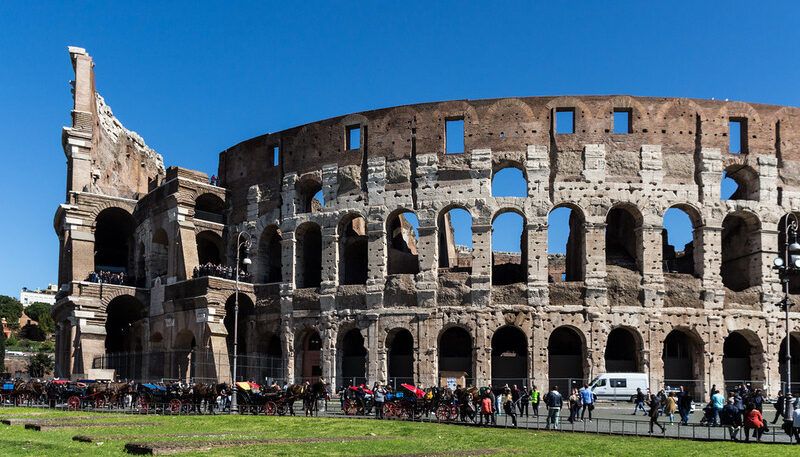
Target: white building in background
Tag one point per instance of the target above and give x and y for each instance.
(28, 297)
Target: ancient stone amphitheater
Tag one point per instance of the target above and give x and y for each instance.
(345, 286)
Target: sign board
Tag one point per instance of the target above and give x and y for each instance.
(451, 383)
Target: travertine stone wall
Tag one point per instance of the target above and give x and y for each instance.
(674, 156)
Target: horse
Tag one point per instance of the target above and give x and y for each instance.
(311, 393)
(209, 394)
(30, 391)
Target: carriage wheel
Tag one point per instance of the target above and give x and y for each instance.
(351, 409)
(263, 409)
(443, 413)
(388, 410)
(99, 403)
(175, 406)
(186, 406)
(269, 408)
(282, 409)
(454, 412)
(73, 403)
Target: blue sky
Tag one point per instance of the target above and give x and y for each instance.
(193, 77)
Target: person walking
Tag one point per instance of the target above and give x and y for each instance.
(587, 400)
(379, 395)
(639, 401)
(670, 406)
(685, 406)
(510, 409)
(573, 405)
(655, 410)
(554, 401)
(718, 402)
(753, 420)
(779, 406)
(535, 401)
(731, 417)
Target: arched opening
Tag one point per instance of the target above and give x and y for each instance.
(309, 255)
(794, 277)
(566, 358)
(509, 182)
(509, 249)
(209, 248)
(310, 362)
(159, 254)
(353, 250)
(622, 352)
(209, 207)
(353, 359)
(400, 346)
(739, 182)
(246, 313)
(795, 353)
(677, 241)
(403, 233)
(509, 357)
(737, 363)
(741, 251)
(185, 355)
(123, 336)
(269, 358)
(566, 244)
(683, 361)
(269, 255)
(113, 241)
(309, 196)
(623, 239)
(455, 353)
(455, 240)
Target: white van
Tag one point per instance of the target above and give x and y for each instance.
(619, 386)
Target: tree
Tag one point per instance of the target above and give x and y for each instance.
(32, 332)
(2, 352)
(46, 323)
(37, 310)
(40, 365)
(11, 309)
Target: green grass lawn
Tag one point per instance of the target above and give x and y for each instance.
(404, 437)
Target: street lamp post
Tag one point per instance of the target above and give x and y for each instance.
(788, 264)
(239, 244)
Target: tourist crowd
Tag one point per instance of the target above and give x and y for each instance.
(107, 277)
(219, 271)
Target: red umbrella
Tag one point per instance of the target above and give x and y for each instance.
(417, 391)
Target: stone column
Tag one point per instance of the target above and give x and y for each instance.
(596, 265)
(481, 262)
(427, 279)
(649, 238)
(713, 290)
(713, 354)
(376, 268)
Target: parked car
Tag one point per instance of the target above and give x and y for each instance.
(619, 386)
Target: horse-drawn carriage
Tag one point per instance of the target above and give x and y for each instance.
(253, 399)
(171, 399)
(407, 403)
(358, 400)
(6, 392)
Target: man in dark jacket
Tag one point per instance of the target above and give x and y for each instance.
(779, 407)
(731, 417)
(554, 402)
(655, 410)
(494, 406)
(684, 406)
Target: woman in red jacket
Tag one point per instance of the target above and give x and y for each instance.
(753, 421)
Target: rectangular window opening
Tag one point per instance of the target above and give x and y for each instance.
(737, 135)
(276, 156)
(454, 136)
(622, 120)
(565, 120)
(353, 137)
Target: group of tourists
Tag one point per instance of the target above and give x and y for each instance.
(579, 403)
(107, 277)
(742, 412)
(219, 271)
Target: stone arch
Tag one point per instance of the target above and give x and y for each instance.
(352, 357)
(623, 351)
(209, 248)
(566, 355)
(159, 253)
(683, 358)
(114, 241)
(270, 255)
(403, 257)
(508, 267)
(123, 342)
(452, 255)
(247, 312)
(571, 265)
(308, 357)
(624, 246)
(307, 190)
(688, 260)
(309, 255)
(209, 207)
(456, 353)
(740, 182)
(740, 267)
(794, 351)
(509, 356)
(509, 179)
(742, 358)
(400, 356)
(185, 352)
(353, 249)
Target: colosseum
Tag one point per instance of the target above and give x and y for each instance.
(353, 272)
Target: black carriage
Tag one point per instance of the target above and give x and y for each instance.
(358, 401)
